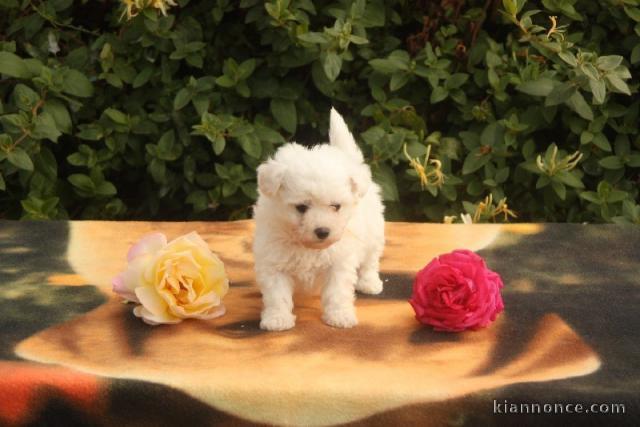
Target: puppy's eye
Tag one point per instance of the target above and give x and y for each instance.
(302, 208)
(336, 206)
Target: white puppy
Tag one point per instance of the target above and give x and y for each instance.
(319, 225)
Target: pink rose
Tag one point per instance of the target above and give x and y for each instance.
(457, 291)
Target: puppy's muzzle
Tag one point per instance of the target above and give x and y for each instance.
(322, 232)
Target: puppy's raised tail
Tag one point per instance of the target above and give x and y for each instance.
(340, 137)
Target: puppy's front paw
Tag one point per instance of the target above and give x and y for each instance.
(340, 318)
(369, 284)
(277, 321)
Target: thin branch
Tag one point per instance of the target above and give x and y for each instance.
(57, 24)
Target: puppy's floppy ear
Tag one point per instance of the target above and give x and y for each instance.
(340, 137)
(360, 180)
(270, 177)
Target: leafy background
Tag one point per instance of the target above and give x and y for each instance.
(495, 109)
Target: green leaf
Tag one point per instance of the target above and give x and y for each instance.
(358, 40)
(124, 71)
(634, 161)
(20, 159)
(633, 13)
(568, 57)
(586, 137)
(384, 66)
(158, 170)
(618, 84)
(117, 116)
(225, 81)
(599, 91)
(251, 145)
(438, 94)
(332, 64)
(474, 161)
(35, 66)
(400, 59)
(601, 141)
(77, 159)
(383, 175)
(607, 63)
(635, 54)
(91, 132)
(143, 77)
(3, 186)
(622, 145)
(219, 144)
(590, 71)
(59, 113)
(611, 162)
(511, 6)
(456, 80)
(374, 14)
(45, 162)
(267, 134)
(540, 87)
(284, 111)
(183, 97)
(591, 197)
(82, 182)
(616, 196)
(24, 97)
(246, 69)
(243, 89)
(201, 103)
(313, 37)
(198, 199)
(45, 127)
(114, 80)
(528, 149)
(560, 94)
(398, 80)
(577, 103)
(569, 178)
(12, 65)
(167, 148)
(106, 189)
(559, 189)
(543, 181)
(77, 84)
(492, 135)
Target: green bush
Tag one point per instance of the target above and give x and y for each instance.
(491, 108)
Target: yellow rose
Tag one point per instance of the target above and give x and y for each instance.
(173, 281)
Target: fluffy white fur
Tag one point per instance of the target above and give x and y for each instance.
(289, 254)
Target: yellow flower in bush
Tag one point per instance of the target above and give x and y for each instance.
(173, 281)
(133, 7)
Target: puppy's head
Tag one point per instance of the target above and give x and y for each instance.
(313, 192)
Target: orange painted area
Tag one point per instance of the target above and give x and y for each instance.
(24, 388)
(66, 280)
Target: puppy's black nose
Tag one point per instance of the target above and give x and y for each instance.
(322, 232)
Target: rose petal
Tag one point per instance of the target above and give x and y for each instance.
(152, 319)
(120, 288)
(210, 313)
(148, 244)
(195, 238)
(153, 302)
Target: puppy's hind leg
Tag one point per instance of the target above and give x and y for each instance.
(277, 299)
(368, 278)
